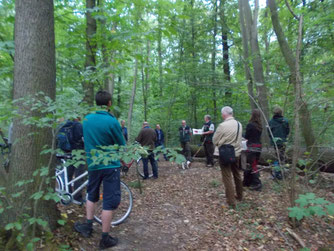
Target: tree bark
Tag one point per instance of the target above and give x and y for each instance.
(90, 63)
(251, 25)
(226, 47)
(245, 38)
(132, 100)
(160, 52)
(34, 72)
(305, 116)
(213, 60)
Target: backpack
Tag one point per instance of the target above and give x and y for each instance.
(65, 137)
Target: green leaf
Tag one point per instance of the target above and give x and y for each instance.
(296, 212)
(330, 208)
(41, 222)
(18, 225)
(37, 196)
(317, 210)
(9, 226)
(61, 222)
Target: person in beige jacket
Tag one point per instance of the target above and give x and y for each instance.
(226, 133)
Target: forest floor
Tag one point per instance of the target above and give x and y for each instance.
(186, 210)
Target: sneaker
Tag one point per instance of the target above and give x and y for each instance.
(84, 229)
(188, 164)
(108, 242)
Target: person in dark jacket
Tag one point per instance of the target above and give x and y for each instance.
(147, 137)
(208, 130)
(160, 139)
(124, 130)
(253, 137)
(280, 129)
(185, 134)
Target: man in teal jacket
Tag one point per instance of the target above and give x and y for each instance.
(101, 129)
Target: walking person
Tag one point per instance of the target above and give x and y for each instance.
(229, 132)
(208, 131)
(147, 137)
(185, 133)
(280, 129)
(101, 129)
(254, 146)
(160, 139)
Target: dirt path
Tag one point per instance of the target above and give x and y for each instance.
(186, 210)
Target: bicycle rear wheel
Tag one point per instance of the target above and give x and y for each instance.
(140, 169)
(123, 210)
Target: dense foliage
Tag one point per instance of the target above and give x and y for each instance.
(172, 41)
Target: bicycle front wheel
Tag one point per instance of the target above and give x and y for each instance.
(123, 210)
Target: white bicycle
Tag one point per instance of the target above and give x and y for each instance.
(66, 197)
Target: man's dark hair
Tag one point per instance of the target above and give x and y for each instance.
(102, 98)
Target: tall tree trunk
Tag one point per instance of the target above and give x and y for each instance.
(251, 24)
(160, 52)
(34, 72)
(194, 65)
(213, 59)
(90, 63)
(245, 45)
(119, 89)
(297, 105)
(225, 48)
(132, 100)
(305, 116)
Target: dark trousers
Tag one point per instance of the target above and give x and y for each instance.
(186, 150)
(72, 170)
(150, 158)
(209, 149)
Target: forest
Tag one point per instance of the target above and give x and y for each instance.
(164, 61)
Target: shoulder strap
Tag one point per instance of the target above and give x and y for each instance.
(236, 138)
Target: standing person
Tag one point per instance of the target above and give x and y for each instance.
(254, 146)
(101, 129)
(124, 130)
(185, 134)
(280, 129)
(230, 132)
(208, 130)
(160, 139)
(147, 137)
(76, 144)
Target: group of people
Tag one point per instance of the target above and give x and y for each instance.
(229, 132)
(102, 129)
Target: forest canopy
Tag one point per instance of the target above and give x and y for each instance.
(184, 59)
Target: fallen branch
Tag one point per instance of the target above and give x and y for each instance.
(283, 236)
(296, 237)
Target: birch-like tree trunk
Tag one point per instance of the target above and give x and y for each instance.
(132, 99)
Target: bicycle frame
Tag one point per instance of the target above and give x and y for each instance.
(63, 179)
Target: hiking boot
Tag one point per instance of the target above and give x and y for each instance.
(85, 229)
(108, 242)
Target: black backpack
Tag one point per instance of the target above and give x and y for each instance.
(65, 137)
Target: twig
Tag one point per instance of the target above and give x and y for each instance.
(296, 237)
(283, 236)
(291, 11)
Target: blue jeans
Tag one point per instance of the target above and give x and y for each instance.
(150, 158)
